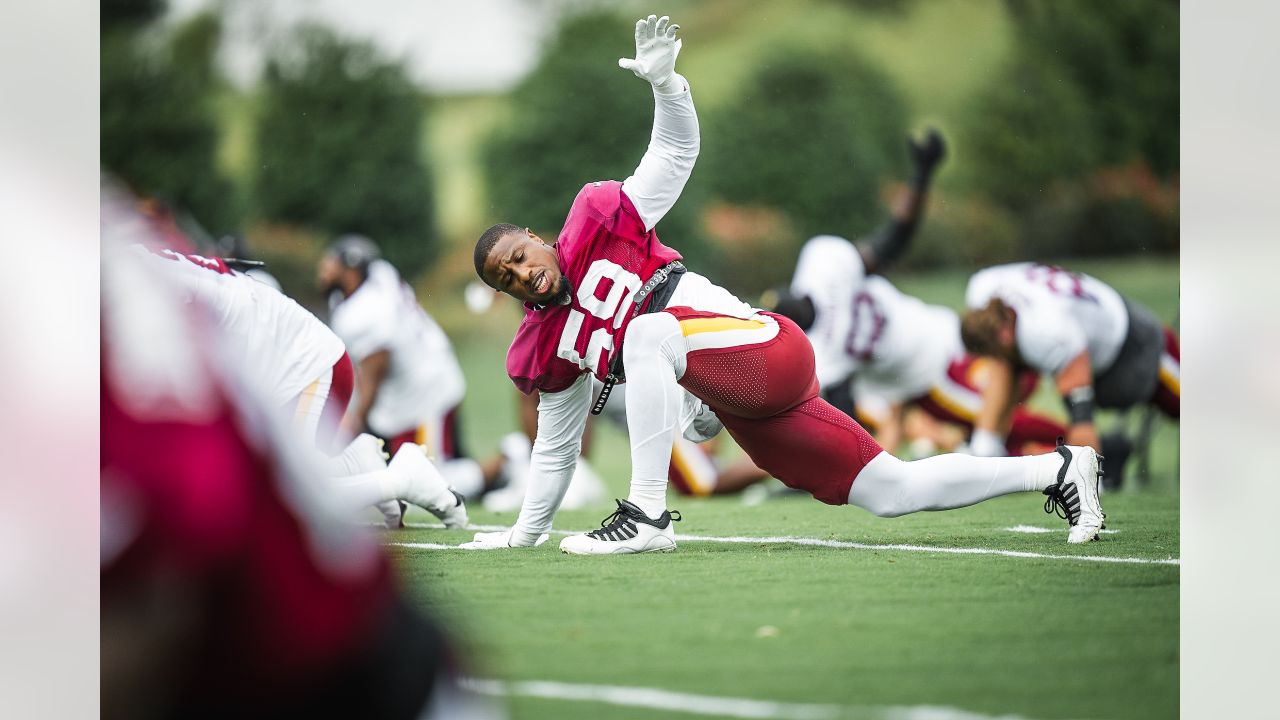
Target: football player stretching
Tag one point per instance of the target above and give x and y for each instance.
(610, 299)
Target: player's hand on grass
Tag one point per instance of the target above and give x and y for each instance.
(927, 152)
(656, 51)
(499, 540)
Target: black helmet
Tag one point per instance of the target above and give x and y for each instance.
(355, 251)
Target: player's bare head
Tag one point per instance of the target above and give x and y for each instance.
(515, 261)
(989, 331)
(345, 263)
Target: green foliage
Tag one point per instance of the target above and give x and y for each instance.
(813, 134)
(1030, 129)
(1123, 57)
(158, 129)
(122, 14)
(1090, 92)
(338, 146)
(576, 118)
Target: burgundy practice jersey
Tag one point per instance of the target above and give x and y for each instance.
(607, 255)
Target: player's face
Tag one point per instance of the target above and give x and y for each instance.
(328, 273)
(524, 267)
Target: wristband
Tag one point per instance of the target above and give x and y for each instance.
(1079, 405)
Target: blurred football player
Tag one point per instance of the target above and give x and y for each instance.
(299, 366)
(610, 300)
(230, 584)
(409, 387)
(870, 339)
(1102, 350)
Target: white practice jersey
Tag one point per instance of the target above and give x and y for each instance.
(898, 345)
(284, 347)
(1060, 313)
(423, 380)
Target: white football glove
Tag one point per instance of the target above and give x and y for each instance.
(496, 541)
(656, 51)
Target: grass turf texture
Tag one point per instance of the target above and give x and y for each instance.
(1040, 638)
(1035, 637)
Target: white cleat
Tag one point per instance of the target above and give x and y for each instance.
(365, 454)
(628, 530)
(426, 488)
(1075, 496)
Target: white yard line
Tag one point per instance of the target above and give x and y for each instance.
(1037, 529)
(692, 704)
(843, 544)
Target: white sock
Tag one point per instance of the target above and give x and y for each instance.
(372, 488)
(653, 407)
(890, 487)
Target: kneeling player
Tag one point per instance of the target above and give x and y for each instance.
(1101, 348)
(609, 297)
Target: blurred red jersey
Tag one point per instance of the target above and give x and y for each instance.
(200, 495)
(606, 254)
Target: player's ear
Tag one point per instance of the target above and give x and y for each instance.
(534, 236)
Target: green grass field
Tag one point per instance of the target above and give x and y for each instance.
(1051, 638)
(852, 631)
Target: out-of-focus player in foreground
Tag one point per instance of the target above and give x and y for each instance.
(293, 361)
(409, 386)
(608, 297)
(230, 586)
(1101, 348)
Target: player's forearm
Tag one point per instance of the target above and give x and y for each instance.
(892, 239)
(673, 149)
(997, 399)
(562, 417)
(550, 472)
(888, 243)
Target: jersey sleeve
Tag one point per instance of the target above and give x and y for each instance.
(673, 148)
(1049, 343)
(365, 327)
(601, 206)
(562, 416)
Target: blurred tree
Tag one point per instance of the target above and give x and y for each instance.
(339, 146)
(128, 14)
(1124, 59)
(1090, 86)
(1030, 129)
(576, 118)
(158, 125)
(814, 134)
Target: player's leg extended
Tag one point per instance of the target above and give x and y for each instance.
(814, 447)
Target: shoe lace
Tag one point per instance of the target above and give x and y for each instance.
(613, 522)
(1054, 504)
